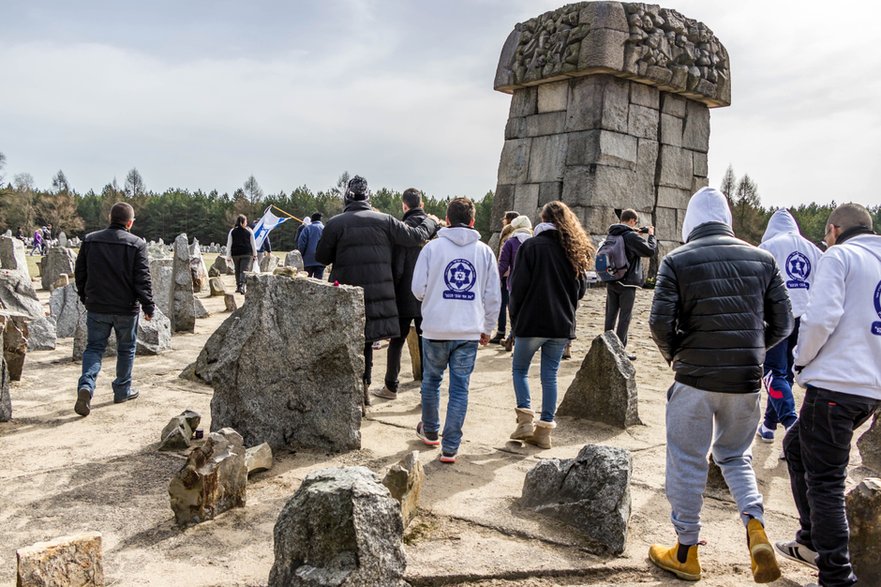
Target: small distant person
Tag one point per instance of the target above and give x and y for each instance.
(47, 238)
(546, 284)
(19, 234)
(113, 282)
(409, 308)
(242, 249)
(38, 242)
(359, 244)
(502, 326)
(458, 283)
(837, 362)
(719, 304)
(521, 229)
(621, 294)
(307, 242)
(797, 259)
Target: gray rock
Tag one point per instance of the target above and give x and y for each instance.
(604, 389)
(5, 400)
(160, 276)
(18, 295)
(213, 272)
(223, 266)
(864, 520)
(341, 527)
(199, 308)
(15, 344)
(58, 260)
(229, 302)
(12, 256)
(870, 446)
(590, 492)
(153, 337)
(181, 305)
(216, 286)
(294, 259)
(68, 560)
(258, 458)
(404, 481)
(66, 308)
(549, 159)
(213, 480)
(42, 334)
(198, 270)
(288, 378)
(268, 263)
(178, 433)
(62, 239)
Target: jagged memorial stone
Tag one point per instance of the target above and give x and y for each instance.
(12, 256)
(182, 305)
(18, 295)
(57, 261)
(288, 377)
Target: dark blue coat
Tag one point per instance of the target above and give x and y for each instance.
(308, 241)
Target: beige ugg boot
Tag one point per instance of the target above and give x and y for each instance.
(525, 427)
(542, 435)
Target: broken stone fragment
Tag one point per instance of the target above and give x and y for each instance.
(229, 300)
(178, 433)
(69, 561)
(216, 286)
(864, 520)
(258, 458)
(404, 481)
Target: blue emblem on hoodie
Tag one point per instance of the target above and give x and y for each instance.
(460, 277)
(876, 326)
(798, 268)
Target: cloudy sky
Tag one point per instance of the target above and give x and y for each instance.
(202, 94)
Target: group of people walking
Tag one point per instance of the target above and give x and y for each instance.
(40, 241)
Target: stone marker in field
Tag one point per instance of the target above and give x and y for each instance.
(870, 446)
(62, 239)
(341, 527)
(216, 286)
(604, 389)
(65, 306)
(57, 261)
(5, 400)
(181, 305)
(864, 519)
(70, 561)
(13, 257)
(198, 271)
(590, 492)
(199, 309)
(404, 481)
(213, 480)
(17, 294)
(229, 302)
(223, 266)
(161, 280)
(42, 334)
(268, 263)
(294, 259)
(288, 377)
(15, 343)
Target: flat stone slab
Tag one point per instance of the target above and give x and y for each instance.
(69, 561)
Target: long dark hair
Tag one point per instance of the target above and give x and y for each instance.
(579, 249)
(241, 220)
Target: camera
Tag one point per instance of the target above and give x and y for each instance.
(644, 230)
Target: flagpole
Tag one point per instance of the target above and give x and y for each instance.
(288, 214)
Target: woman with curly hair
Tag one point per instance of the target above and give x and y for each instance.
(547, 282)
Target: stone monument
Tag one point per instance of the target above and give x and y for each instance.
(609, 110)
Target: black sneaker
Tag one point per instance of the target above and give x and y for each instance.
(428, 438)
(132, 394)
(448, 457)
(83, 402)
(497, 339)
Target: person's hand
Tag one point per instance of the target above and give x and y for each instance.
(484, 339)
(434, 218)
(253, 257)
(148, 317)
(651, 231)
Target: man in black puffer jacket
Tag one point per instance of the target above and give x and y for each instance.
(359, 244)
(719, 304)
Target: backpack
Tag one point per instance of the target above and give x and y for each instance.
(611, 258)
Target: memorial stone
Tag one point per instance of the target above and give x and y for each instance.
(57, 261)
(17, 294)
(65, 306)
(13, 257)
(71, 561)
(181, 305)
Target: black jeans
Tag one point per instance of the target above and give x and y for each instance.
(503, 311)
(241, 263)
(316, 271)
(817, 452)
(395, 345)
(619, 305)
(368, 363)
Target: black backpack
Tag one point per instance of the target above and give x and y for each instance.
(611, 258)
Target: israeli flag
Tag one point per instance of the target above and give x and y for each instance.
(267, 223)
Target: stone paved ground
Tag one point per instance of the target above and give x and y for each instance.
(61, 474)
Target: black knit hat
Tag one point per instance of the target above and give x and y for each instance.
(357, 189)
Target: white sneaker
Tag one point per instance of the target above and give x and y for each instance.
(797, 552)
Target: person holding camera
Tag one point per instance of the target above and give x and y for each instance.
(621, 294)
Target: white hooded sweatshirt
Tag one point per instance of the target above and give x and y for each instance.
(457, 281)
(796, 257)
(839, 340)
(706, 205)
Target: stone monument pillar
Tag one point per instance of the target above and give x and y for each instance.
(609, 110)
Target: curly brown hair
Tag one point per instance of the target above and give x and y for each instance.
(575, 240)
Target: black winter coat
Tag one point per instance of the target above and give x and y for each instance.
(404, 260)
(359, 244)
(544, 289)
(635, 248)
(719, 304)
(112, 272)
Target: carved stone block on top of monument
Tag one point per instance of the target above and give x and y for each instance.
(604, 389)
(598, 101)
(596, 221)
(549, 191)
(645, 95)
(57, 261)
(869, 445)
(864, 520)
(17, 294)
(13, 257)
(524, 102)
(671, 130)
(526, 199)
(181, 305)
(547, 160)
(514, 162)
(602, 147)
(642, 122)
(603, 48)
(676, 167)
(668, 222)
(673, 104)
(606, 15)
(548, 123)
(673, 197)
(696, 135)
(699, 164)
(553, 97)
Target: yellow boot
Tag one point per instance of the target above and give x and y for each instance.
(761, 553)
(667, 558)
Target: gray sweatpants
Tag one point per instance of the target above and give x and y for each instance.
(696, 421)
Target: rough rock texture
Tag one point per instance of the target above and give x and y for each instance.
(268, 263)
(181, 305)
(223, 266)
(57, 261)
(178, 433)
(604, 389)
(154, 337)
(198, 271)
(71, 561)
(18, 295)
(258, 458)
(870, 446)
(341, 527)
(15, 344)
(415, 358)
(288, 377)
(864, 518)
(213, 480)
(62, 281)
(66, 308)
(404, 481)
(590, 492)
(199, 309)
(62, 239)
(13, 257)
(294, 259)
(5, 400)
(42, 334)
(229, 302)
(160, 276)
(216, 286)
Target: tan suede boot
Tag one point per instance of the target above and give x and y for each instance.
(542, 435)
(525, 427)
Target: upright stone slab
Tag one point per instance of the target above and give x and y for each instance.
(404, 481)
(288, 377)
(42, 334)
(161, 280)
(17, 294)
(864, 519)
(72, 561)
(15, 344)
(181, 305)
(216, 286)
(294, 259)
(341, 527)
(58, 260)
(5, 400)
(62, 239)
(197, 267)
(609, 110)
(604, 389)
(12, 256)
(213, 480)
(65, 306)
(223, 266)
(870, 446)
(153, 337)
(268, 263)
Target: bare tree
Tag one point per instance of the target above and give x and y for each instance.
(253, 190)
(134, 183)
(341, 184)
(60, 183)
(23, 182)
(729, 184)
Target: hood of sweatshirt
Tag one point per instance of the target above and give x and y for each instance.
(706, 205)
(619, 229)
(781, 222)
(459, 235)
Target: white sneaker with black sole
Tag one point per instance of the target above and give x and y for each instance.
(797, 552)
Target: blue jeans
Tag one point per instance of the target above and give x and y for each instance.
(99, 327)
(436, 355)
(778, 378)
(551, 355)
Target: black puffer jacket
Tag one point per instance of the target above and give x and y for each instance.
(635, 247)
(404, 260)
(113, 272)
(719, 304)
(359, 244)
